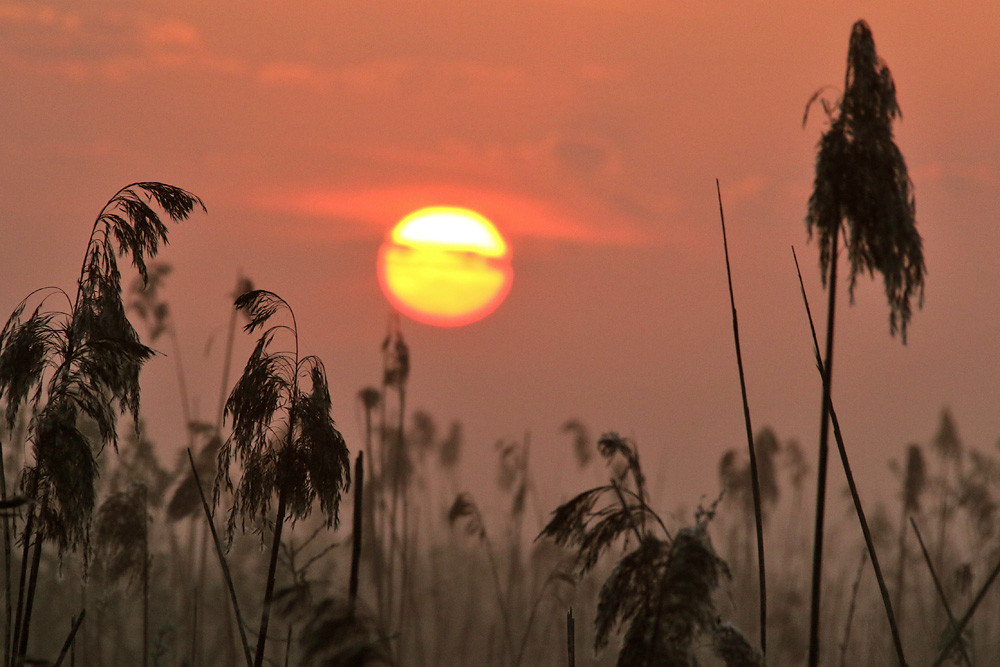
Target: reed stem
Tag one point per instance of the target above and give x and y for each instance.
(570, 638)
(222, 561)
(359, 481)
(77, 620)
(824, 447)
(265, 614)
(952, 623)
(855, 496)
(754, 477)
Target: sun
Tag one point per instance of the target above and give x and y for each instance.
(445, 266)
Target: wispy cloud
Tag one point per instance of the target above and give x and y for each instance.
(976, 173)
(114, 46)
(354, 212)
(377, 76)
(28, 15)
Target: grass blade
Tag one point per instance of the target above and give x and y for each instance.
(755, 480)
(838, 436)
(359, 482)
(957, 632)
(940, 590)
(846, 641)
(222, 561)
(570, 638)
(69, 638)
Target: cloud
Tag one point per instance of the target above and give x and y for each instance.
(975, 173)
(382, 76)
(170, 34)
(744, 188)
(26, 15)
(565, 185)
(111, 46)
(366, 212)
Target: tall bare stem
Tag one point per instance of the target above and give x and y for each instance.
(754, 479)
(855, 496)
(824, 446)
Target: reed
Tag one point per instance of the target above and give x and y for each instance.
(81, 361)
(754, 476)
(861, 190)
(283, 436)
(858, 508)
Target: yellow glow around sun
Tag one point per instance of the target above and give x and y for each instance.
(445, 266)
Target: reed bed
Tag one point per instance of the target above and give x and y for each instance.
(114, 557)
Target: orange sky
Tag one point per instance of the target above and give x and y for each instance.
(590, 132)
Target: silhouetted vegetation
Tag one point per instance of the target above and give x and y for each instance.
(75, 364)
(106, 554)
(862, 190)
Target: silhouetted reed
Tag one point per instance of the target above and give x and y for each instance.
(862, 190)
(283, 438)
(661, 590)
(80, 362)
(755, 484)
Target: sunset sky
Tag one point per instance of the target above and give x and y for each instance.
(591, 133)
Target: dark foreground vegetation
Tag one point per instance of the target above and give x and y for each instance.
(238, 553)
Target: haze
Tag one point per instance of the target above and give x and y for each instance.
(591, 133)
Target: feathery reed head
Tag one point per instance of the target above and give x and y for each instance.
(464, 513)
(395, 356)
(732, 646)
(121, 535)
(861, 179)
(582, 447)
(283, 434)
(914, 479)
(662, 593)
(946, 441)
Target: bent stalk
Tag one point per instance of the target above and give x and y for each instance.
(859, 509)
(222, 561)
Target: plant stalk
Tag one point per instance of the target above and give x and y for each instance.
(8, 615)
(855, 496)
(952, 623)
(77, 620)
(957, 631)
(850, 611)
(29, 603)
(145, 581)
(359, 481)
(29, 527)
(398, 522)
(901, 567)
(265, 614)
(754, 477)
(570, 638)
(222, 561)
(824, 446)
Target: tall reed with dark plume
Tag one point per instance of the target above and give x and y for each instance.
(862, 191)
(81, 362)
(284, 437)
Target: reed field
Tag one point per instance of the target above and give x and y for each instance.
(272, 540)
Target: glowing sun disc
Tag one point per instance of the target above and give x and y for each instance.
(445, 266)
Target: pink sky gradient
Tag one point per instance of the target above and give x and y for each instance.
(590, 132)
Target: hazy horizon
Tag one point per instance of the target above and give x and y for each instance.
(591, 134)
